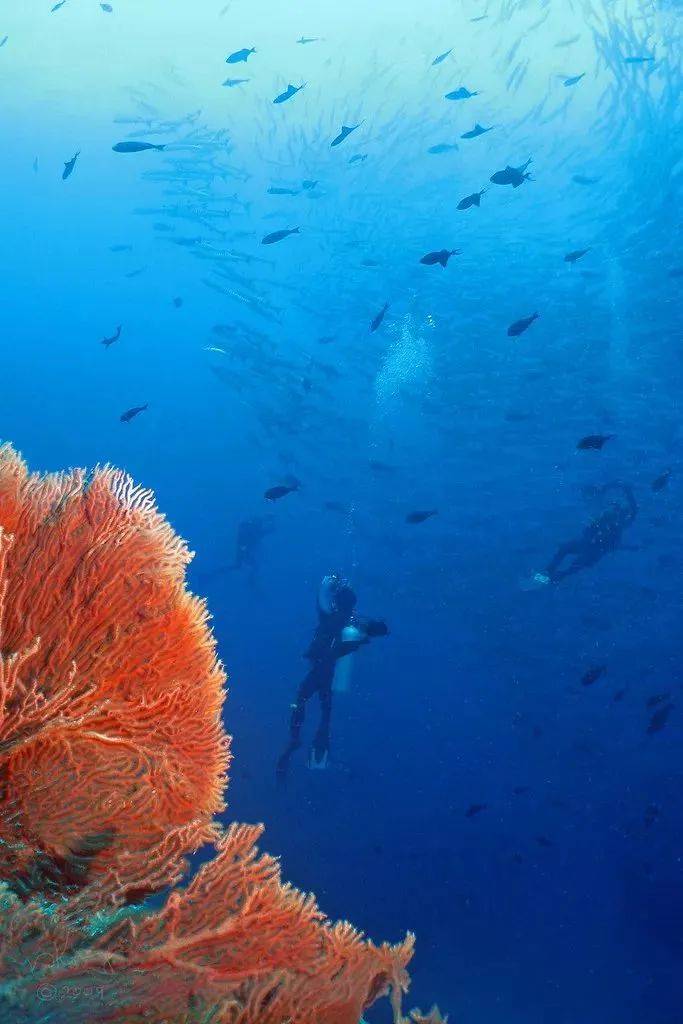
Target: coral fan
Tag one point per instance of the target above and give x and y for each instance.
(112, 766)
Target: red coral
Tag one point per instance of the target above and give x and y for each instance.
(112, 761)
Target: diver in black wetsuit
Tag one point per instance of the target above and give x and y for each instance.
(336, 603)
(250, 534)
(597, 540)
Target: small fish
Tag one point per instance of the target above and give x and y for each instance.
(107, 8)
(441, 257)
(520, 326)
(618, 696)
(480, 17)
(475, 809)
(280, 490)
(277, 236)
(136, 147)
(575, 255)
(583, 179)
(358, 158)
(69, 166)
(638, 60)
(303, 40)
(381, 467)
(130, 414)
(443, 147)
(660, 482)
(177, 302)
(57, 6)
(651, 815)
(593, 674)
(120, 248)
(659, 719)
(369, 263)
(216, 349)
(544, 841)
(441, 58)
(567, 42)
(326, 339)
(460, 94)
(520, 790)
(3, 41)
(475, 132)
(375, 323)
(308, 184)
(231, 83)
(573, 80)
(514, 176)
(657, 698)
(290, 91)
(473, 200)
(593, 442)
(275, 191)
(421, 516)
(135, 273)
(35, 166)
(675, 273)
(240, 56)
(344, 133)
(115, 337)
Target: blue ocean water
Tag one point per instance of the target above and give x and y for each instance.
(483, 790)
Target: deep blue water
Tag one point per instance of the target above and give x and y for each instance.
(558, 904)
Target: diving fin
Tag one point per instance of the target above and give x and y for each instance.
(317, 763)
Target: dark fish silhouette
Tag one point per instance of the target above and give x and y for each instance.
(277, 236)
(230, 83)
(520, 326)
(441, 257)
(380, 316)
(130, 414)
(240, 56)
(344, 133)
(57, 6)
(572, 257)
(381, 467)
(3, 41)
(584, 179)
(460, 94)
(275, 191)
(177, 302)
(303, 40)
(290, 91)
(659, 719)
(514, 176)
(421, 516)
(638, 60)
(107, 8)
(308, 184)
(593, 442)
(280, 490)
(442, 147)
(473, 200)
(475, 809)
(544, 841)
(660, 482)
(441, 58)
(115, 337)
(136, 147)
(358, 158)
(618, 696)
(593, 674)
(475, 132)
(69, 166)
(573, 80)
(480, 17)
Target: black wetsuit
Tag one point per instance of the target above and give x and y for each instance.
(598, 539)
(326, 648)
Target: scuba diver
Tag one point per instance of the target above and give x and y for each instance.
(339, 633)
(599, 538)
(250, 534)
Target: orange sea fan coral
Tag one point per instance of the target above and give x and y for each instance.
(110, 691)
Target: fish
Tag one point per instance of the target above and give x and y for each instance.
(344, 133)
(369, 263)
(544, 841)
(659, 719)
(462, 93)
(358, 158)
(107, 8)
(134, 273)
(57, 6)
(230, 83)
(115, 337)
(475, 132)
(302, 41)
(136, 147)
(480, 17)
(290, 91)
(675, 273)
(240, 56)
(275, 191)
(593, 674)
(651, 815)
(661, 481)
(280, 490)
(593, 442)
(583, 179)
(573, 80)
(441, 58)
(575, 255)
(421, 516)
(514, 176)
(473, 200)
(441, 257)
(567, 42)
(35, 166)
(277, 236)
(3, 41)
(375, 323)
(443, 147)
(475, 809)
(130, 414)
(177, 302)
(657, 698)
(216, 349)
(326, 339)
(120, 248)
(308, 184)
(380, 467)
(520, 326)
(618, 696)
(638, 60)
(69, 166)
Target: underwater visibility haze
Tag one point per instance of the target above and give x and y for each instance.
(382, 302)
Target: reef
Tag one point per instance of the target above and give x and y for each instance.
(113, 769)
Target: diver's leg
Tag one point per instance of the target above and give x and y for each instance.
(553, 570)
(321, 742)
(305, 692)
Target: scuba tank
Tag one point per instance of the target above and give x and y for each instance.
(344, 666)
